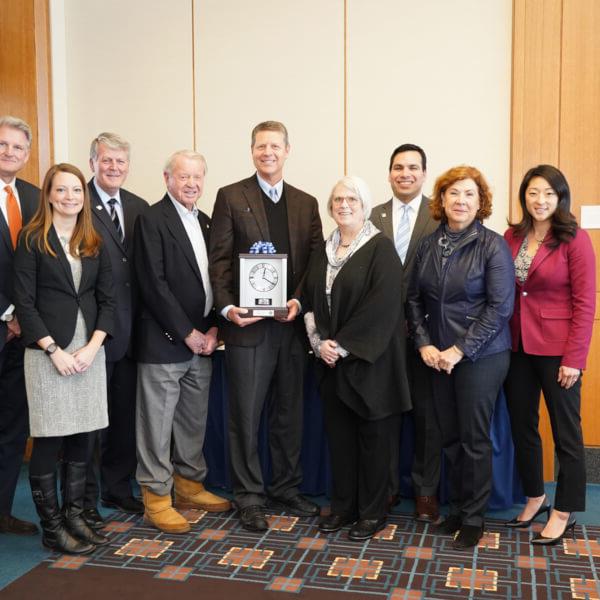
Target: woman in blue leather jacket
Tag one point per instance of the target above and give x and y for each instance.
(460, 301)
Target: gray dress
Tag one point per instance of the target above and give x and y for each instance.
(63, 405)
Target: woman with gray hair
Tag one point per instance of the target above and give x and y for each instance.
(354, 321)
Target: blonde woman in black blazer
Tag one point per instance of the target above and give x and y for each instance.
(63, 298)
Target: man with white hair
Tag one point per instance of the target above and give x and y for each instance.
(177, 333)
(18, 202)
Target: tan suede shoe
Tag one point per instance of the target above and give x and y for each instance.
(192, 494)
(159, 512)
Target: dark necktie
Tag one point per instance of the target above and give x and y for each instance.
(115, 219)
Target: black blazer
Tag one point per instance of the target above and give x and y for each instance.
(29, 197)
(239, 220)
(170, 284)
(46, 299)
(364, 319)
(121, 262)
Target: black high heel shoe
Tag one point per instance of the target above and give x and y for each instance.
(524, 524)
(540, 540)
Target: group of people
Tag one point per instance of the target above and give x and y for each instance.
(110, 311)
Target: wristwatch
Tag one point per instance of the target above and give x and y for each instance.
(51, 349)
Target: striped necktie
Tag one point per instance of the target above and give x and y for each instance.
(115, 219)
(403, 232)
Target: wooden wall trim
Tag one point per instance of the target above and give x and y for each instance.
(26, 78)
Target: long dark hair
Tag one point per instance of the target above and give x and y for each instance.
(563, 223)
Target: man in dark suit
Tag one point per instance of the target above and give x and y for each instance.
(405, 219)
(264, 356)
(114, 213)
(177, 333)
(18, 202)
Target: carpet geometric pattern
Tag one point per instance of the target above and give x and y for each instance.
(405, 561)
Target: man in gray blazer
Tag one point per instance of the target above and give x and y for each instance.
(405, 219)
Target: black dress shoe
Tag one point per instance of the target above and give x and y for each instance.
(366, 528)
(10, 524)
(468, 536)
(540, 540)
(93, 518)
(253, 518)
(298, 505)
(332, 523)
(524, 524)
(128, 504)
(449, 526)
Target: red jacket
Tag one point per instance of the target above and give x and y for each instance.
(554, 308)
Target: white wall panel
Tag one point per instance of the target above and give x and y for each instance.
(129, 70)
(437, 74)
(270, 59)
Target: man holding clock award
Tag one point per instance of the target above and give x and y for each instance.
(265, 357)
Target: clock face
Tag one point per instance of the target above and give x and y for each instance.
(263, 277)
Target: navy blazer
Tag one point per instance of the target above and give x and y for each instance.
(46, 299)
(170, 284)
(121, 262)
(29, 197)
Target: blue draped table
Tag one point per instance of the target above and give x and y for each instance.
(315, 459)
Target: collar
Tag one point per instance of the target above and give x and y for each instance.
(182, 211)
(415, 203)
(12, 184)
(104, 197)
(267, 187)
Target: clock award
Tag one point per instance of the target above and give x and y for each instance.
(263, 281)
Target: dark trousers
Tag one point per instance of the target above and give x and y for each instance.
(428, 438)
(113, 453)
(427, 460)
(527, 376)
(14, 421)
(360, 454)
(464, 404)
(48, 451)
(272, 372)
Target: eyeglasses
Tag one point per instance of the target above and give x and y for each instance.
(350, 200)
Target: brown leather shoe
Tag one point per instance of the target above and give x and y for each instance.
(10, 524)
(427, 509)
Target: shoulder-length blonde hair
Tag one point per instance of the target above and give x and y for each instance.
(85, 240)
(445, 180)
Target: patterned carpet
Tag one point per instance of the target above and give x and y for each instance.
(404, 562)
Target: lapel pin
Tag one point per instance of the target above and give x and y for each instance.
(99, 206)
(384, 214)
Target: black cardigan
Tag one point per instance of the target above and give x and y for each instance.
(46, 299)
(367, 319)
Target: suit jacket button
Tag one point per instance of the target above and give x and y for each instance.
(124, 259)
(127, 284)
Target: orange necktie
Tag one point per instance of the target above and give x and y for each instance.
(13, 212)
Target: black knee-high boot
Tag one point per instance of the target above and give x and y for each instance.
(54, 532)
(74, 488)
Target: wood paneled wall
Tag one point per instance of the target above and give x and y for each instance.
(555, 119)
(26, 78)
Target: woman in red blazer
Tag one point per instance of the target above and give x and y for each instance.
(551, 330)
